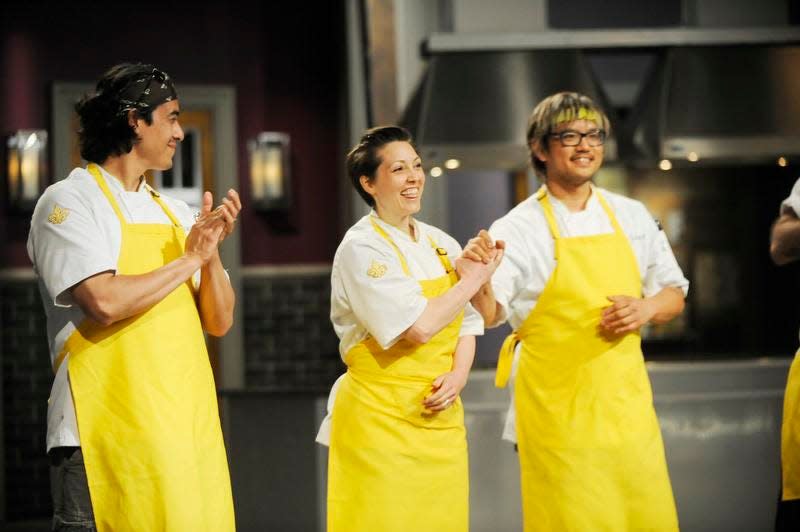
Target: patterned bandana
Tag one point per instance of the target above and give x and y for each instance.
(581, 113)
(148, 92)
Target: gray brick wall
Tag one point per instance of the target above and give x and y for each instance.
(289, 343)
(288, 338)
(26, 386)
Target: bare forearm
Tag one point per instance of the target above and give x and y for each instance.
(441, 310)
(464, 356)
(216, 298)
(785, 240)
(666, 304)
(108, 298)
(486, 304)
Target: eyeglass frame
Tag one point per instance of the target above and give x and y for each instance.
(126, 105)
(599, 131)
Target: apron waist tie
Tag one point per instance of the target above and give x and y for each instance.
(386, 378)
(505, 359)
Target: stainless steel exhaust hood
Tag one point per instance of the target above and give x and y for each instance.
(474, 106)
(719, 103)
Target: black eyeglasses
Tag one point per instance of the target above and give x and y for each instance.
(595, 137)
(138, 103)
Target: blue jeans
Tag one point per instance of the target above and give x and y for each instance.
(72, 507)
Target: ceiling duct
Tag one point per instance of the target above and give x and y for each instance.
(717, 104)
(474, 106)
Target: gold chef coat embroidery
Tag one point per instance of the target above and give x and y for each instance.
(58, 215)
(376, 270)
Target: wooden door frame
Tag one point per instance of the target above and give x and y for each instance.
(220, 100)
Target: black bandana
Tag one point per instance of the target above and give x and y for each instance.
(147, 92)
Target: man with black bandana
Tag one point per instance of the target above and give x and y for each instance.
(129, 281)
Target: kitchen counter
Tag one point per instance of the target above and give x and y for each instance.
(720, 421)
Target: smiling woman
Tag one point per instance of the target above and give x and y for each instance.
(397, 187)
(398, 450)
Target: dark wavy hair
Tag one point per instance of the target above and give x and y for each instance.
(363, 158)
(104, 128)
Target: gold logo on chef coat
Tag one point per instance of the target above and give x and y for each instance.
(377, 270)
(58, 215)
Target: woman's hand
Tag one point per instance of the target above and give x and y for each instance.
(446, 388)
(482, 271)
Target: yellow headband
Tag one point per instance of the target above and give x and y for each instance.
(583, 113)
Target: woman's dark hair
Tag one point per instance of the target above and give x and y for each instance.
(105, 130)
(363, 158)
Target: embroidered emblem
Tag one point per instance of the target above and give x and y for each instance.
(377, 270)
(58, 215)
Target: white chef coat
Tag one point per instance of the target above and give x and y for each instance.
(85, 243)
(529, 258)
(385, 306)
(791, 205)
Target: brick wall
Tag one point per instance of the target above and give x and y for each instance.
(289, 345)
(289, 342)
(26, 386)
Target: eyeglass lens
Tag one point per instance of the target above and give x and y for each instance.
(573, 138)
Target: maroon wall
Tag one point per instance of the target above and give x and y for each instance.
(285, 64)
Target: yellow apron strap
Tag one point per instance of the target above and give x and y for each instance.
(385, 235)
(157, 198)
(442, 254)
(609, 213)
(59, 360)
(101, 182)
(505, 359)
(547, 207)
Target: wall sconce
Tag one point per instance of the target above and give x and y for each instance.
(26, 167)
(270, 175)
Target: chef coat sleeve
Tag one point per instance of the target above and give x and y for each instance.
(510, 277)
(472, 325)
(384, 299)
(66, 244)
(662, 268)
(791, 205)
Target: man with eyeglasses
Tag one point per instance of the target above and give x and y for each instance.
(129, 280)
(584, 270)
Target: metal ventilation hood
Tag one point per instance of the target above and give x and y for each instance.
(720, 103)
(474, 106)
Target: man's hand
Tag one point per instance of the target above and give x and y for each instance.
(206, 234)
(227, 212)
(212, 227)
(784, 244)
(626, 314)
(482, 248)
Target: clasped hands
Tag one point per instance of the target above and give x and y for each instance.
(212, 226)
(482, 255)
(623, 315)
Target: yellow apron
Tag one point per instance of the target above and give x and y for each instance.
(393, 466)
(146, 403)
(790, 435)
(590, 449)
